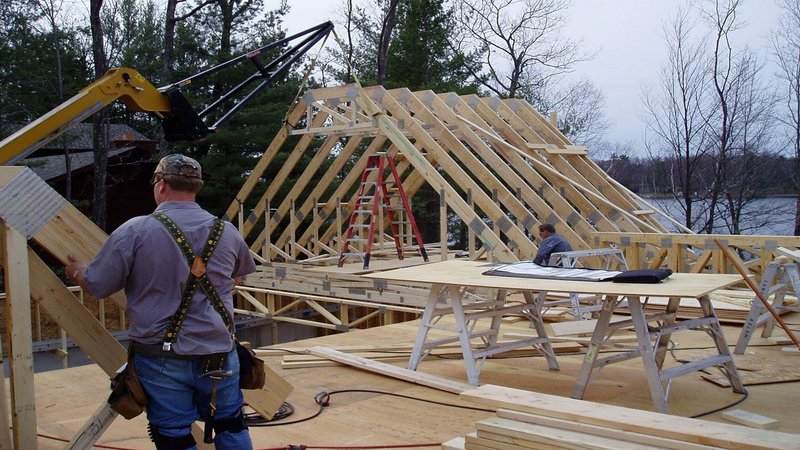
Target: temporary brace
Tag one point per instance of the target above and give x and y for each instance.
(373, 194)
(776, 280)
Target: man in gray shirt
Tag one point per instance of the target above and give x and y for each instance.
(552, 242)
(142, 257)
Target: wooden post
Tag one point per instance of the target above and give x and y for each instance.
(5, 424)
(292, 230)
(265, 250)
(470, 233)
(339, 242)
(315, 227)
(20, 349)
(443, 224)
(241, 218)
(271, 308)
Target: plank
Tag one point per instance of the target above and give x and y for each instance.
(750, 419)
(628, 436)
(540, 434)
(456, 443)
(646, 422)
(268, 400)
(79, 323)
(497, 442)
(392, 371)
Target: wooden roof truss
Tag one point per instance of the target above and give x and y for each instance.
(499, 165)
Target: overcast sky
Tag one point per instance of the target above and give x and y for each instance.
(627, 38)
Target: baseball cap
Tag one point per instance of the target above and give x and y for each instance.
(179, 165)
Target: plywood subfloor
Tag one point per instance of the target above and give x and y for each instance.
(66, 398)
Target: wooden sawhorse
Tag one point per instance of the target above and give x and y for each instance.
(445, 300)
(776, 281)
(652, 346)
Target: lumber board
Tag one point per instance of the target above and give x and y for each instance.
(457, 443)
(750, 419)
(392, 371)
(72, 233)
(268, 400)
(529, 435)
(14, 261)
(663, 425)
(622, 435)
(66, 310)
(499, 442)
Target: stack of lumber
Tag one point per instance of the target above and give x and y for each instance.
(529, 420)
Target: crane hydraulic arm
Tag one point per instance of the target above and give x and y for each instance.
(180, 121)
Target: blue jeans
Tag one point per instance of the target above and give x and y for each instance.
(178, 395)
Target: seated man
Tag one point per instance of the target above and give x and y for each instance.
(552, 242)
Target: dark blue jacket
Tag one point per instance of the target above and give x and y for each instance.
(551, 244)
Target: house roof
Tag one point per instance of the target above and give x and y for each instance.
(51, 167)
(79, 137)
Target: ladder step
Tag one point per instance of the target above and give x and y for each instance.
(356, 240)
(353, 254)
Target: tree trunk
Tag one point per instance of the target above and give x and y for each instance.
(389, 23)
(100, 120)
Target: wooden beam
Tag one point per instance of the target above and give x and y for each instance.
(392, 371)
(67, 311)
(18, 323)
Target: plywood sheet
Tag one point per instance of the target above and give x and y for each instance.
(470, 273)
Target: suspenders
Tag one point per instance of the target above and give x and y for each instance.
(197, 276)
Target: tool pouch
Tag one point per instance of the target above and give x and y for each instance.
(251, 369)
(127, 395)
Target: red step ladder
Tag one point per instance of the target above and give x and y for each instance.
(373, 197)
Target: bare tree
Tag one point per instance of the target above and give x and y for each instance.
(389, 22)
(721, 15)
(675, 126)
(736, 118)
(752, 124)
(786, 47)
(51, 11)
(521, 40)
(579, 106)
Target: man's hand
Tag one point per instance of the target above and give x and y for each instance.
(75, 270)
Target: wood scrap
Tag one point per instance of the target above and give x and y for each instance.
(392, 371)
(454, 444)
(758, 368)
(750, 419)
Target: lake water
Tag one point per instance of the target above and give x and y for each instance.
(765, 216)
